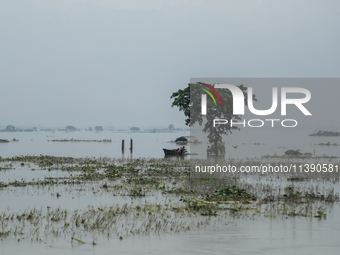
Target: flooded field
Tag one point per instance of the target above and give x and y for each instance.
(85, 197)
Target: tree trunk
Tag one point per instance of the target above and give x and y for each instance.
(215, 147)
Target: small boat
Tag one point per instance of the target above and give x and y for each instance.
(174, 152)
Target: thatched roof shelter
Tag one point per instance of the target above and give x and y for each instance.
(186, 139)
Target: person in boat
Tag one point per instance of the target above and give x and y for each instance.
(182, 150)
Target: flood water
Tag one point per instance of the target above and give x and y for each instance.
(250, 144)
(262, 235)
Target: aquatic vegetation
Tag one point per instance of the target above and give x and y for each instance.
(202, 208)
(328, 144)
(229, 192)
(162, 197)
(40, 160)
(178, 191)
(320, 213)
(137, 192)
(47, 181)
(6, 167)
(291, 192)
(80, 140)
(307, 155)
(142, 180)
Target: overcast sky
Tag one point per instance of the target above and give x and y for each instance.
(116, 63)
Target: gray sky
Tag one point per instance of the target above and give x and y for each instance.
(116, 63)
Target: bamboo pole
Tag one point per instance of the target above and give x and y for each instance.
(131, 145)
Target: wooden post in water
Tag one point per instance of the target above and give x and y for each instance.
(122, 146)
(131, 145)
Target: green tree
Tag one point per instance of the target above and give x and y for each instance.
(182, 100)
(10, 128)
(70, 129)
(189, 101)
(135, 129)
(98, 128)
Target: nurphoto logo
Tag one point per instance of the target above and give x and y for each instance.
(238, 98)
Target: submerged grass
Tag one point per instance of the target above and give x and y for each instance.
(178, 203)
(80, 140)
